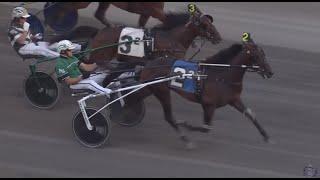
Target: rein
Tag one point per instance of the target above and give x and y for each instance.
(203, 41)
(221, 80)
(248, 68)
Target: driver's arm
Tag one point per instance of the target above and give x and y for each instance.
(22, 38)
(64, 76)
(23, 33)
(88, 67)
(72, 81)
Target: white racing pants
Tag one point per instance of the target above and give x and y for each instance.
(93, 83)
(44, 49)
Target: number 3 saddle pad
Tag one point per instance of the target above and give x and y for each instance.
(188, 84)
(135, 48)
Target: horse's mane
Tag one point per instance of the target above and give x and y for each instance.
(172, 20)
(225, 56)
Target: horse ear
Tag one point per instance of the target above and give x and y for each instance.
(209, 17)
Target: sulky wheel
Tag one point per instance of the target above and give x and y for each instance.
(91, 138)
(131, 114)
(41, 90)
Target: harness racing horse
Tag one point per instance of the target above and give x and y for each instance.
(221, 87)
(145, 9)
(172, 39)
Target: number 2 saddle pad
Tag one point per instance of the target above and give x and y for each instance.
(188, 84)
(135, 48)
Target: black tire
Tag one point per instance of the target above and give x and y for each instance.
(41, 90)
(128, 115)
(96, 137)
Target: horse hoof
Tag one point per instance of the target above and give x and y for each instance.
(269, 141)
(190, 146)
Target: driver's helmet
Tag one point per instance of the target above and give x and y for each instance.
(18, 12)
(64, 45)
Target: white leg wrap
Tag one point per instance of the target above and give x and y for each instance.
(207, 127)
(249, 112)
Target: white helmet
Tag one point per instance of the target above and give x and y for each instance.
(18, 12)
(64, 45)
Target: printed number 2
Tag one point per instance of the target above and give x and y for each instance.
(128, 45)
(179, 82)
(245, 37)
(176, 82)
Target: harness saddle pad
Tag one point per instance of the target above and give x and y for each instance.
(188, 84)
(134, 48)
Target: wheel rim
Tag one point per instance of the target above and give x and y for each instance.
(41, 89)
(95, 137)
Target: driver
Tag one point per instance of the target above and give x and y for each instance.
(24, 42)
(68, 70)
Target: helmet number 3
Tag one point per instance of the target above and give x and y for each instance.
(191, 8)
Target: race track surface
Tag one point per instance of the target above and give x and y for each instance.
(40, 143)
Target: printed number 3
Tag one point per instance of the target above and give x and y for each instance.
(128, 45)
(191, 8)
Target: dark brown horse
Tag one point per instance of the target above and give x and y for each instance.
(222, 86)
(145, 9)
(173, 38)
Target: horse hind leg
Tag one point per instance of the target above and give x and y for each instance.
(251, 116)
(208, 113)
(163, 95)
(100, 13)
(143, 20)
(159, 14)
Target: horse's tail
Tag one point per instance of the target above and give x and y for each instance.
(81, 32)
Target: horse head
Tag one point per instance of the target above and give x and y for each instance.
(257, 56)
(203, 24)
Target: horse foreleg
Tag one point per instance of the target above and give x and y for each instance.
(251, 116)
(163, 95)
(158, 14)
(143, 20)
(208, 113)
(100, 13)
